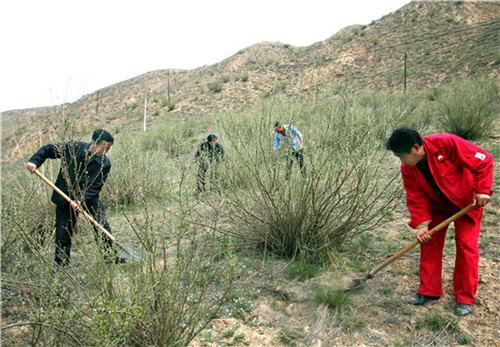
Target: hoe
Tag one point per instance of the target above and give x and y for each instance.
(131, 254)
(359, 281)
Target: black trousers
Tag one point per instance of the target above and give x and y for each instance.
(298, 156)
(66, 218)
(202, 173)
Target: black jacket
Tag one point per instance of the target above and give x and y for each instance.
(208, 152)
(84, 173)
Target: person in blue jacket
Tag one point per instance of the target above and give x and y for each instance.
(294, 145)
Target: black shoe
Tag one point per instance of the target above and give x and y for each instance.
(462, 310)
(421, 299)
(120, 260)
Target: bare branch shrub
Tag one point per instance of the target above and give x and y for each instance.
(166, 298)
(347, 189)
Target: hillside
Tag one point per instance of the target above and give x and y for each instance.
(441, 40)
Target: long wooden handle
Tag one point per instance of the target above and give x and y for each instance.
(414, 243)
(80, 209)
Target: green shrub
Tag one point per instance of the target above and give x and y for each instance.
(215, 86)
(469, 108)
(128, 184)
(132, 105)
(463, 340)
(270, 61)
(164, 102)
(347, 38)
(265, 95)
(280, 86)
(450, 19)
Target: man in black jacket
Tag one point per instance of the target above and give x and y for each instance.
(208, 155)
(84, 169)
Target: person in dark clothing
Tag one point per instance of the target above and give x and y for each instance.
(208, 156)
(84, 169)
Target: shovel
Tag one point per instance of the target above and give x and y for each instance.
(131, 254)
(359, 281)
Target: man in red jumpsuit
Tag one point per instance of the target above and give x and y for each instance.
(442, 174)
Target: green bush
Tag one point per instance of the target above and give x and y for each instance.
(463, 340)
(270, 61)
(469, 108)
(215, 86)
(164, 102)
(132, 105)
(280, 86)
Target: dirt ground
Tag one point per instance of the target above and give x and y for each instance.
(286, 314)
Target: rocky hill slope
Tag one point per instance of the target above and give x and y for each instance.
(439, 41)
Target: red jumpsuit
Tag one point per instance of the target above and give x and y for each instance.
(460, 170)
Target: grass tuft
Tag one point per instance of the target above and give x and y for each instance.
(437, 322)
(335, 299)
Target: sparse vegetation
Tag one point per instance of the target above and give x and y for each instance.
(270, 61)
(436, 322)
(463, 340)
(280, 86)
(303, 269)
(290, 336)
(132, 105)
(165, 102)
(215, 86)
